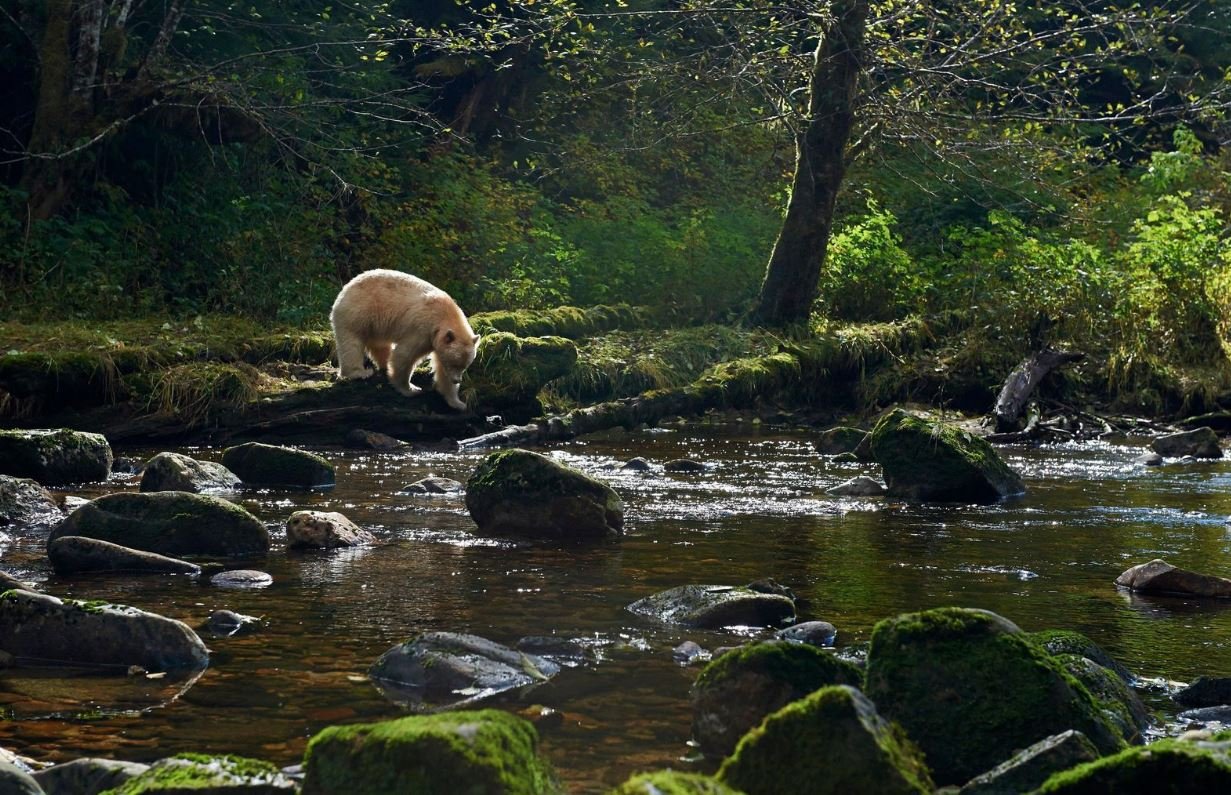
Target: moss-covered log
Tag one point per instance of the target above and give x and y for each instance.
(565, 321)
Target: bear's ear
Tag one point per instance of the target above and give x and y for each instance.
(449, 336)
(476, 339)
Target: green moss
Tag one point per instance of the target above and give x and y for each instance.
(799, 665)
(259, 464)
(304, 347)
(565, 321)
(510, 369)
(670, 782)
(56, 456)
(488, 751)
(1167, 767)
(198, 391)
(188, 772)
(1066, 641)
(1119, 704)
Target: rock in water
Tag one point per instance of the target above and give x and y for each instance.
(201, 773)
(684, 465)
(1065, 641)
(814, 633)
(325, 529)
(488, 751)
(72, 554)
(832, 741)
(841, 439)
(936, 462)
(434, 485)
(55, 457)
(1031, 767)
(43, 629)
(859, 486)
(1161, 577)
(87, 776)
(1205, 691)
(517, 492)
(1118, 702)
(1163, 766)
(169, 523)
(25, 503)
(1198, 443)
(372, 440)
(259, 464)
(716, 606)
(242, 578)
(15, 781)
(673, 782)
(176, 472)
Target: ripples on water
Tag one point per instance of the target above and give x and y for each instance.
(1044, 560)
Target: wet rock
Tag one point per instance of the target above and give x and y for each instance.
(87, 776)
(76, 554)
(735, 692)
(1163, 766)
(847, 458)
(1029, 768)
(41, 630)
(689, 652)
(1160, 577)
(566, 651)
(1150, 459)
(517, 492)
(716, 606)
(672, 782)
(770, 585)
(434, 485)
(842, 439)
(1219, 714)
(19, 762)
(55, 457)
(241, 578)
(170, 523)
(934, 461)
(813, 633)
(25, 503)
(445, 667)
(8, 582)
(860, 486)
(372, 440)
(200, 773)
(1065, 641)
(325, 530)
(177, 472)
(1198, 443)
(70, 503)
(970, 688)
(832, 741)
(127, 465)
(15, 781)
(259, 464)
(684, 465)
(1205, 691)
(486, 751)
(636, 465)
(225, 623)
(1119, 703)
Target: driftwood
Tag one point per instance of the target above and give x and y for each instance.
(1021, 383)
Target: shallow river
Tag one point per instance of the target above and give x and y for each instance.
(1046, 560)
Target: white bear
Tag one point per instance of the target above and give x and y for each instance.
(399, 319)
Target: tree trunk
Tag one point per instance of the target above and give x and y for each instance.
(794, 268)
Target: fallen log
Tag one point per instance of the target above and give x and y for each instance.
(1021, 383)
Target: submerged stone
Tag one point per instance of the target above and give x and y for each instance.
(25, 503)
(1029, 768)
(858, 486)
(517, 492)
(259, 464)
(1198, 443)
(684, 466)
(1161, 577)
(832, 741)
(937, 462)
(716, 606)
(177, 472)
(434, 485)
(372, 440)
(488, 752)
(1166, 766)
(201, 773)
(74, 554)
(814, 633)
(55, 457)
(672, 782)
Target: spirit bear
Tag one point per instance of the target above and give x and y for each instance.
(399, 319)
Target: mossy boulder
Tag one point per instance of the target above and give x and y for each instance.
(1119, 703)
(74, 554)
(517, 492)
(39, 629)
(487, 752)
(170, 523)
(735, 692)
(971, 688)
(1166, 767)
(842, 439)
(1030, 767)
(832, 741)
(1067, 641)
(259, 464)
(25, 503)
(200, 774)
(671, 782)
(510, 370)
(933, 461)
(716, 606)
(178, 472)
(55, 457)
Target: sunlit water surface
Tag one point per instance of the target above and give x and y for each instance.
(1044, 560)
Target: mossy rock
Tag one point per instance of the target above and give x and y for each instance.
(170, 523)
(55, 457)
(832, 741)
(25, 503)
(1119, 702)
(735, 692)
(62, 378)
(716, 606)
(1167, 767)
(934, 461)
(487, 752)
(517, 492)
(303, 347)
(510, 370)
(200, 774)
(1030, 767)
(671, 782)
(259, 464)
(1067, 641)
(87, 775)
(970, 688)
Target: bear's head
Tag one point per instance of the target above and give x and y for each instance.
(455, 351)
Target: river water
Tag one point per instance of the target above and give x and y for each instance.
(1045, 560)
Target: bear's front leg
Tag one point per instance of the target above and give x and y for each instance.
(447, 386)
(402, 367)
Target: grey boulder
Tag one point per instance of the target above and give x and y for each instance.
(177, 472)
(74, 554)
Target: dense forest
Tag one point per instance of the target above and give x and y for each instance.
(1051, 173)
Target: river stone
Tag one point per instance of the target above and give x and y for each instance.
(449, 666)
(15, 781)
(831, 741)
(1160, 577)
(25, 503)
(637, 464)
(372, 440)
(201, 774)
(325, 529)
(87, 776)
(74, 554)
(43, 630)
(1198, 443)
(735, 692)
(970, 688)
(55, 457)
(1149, 459)
(1119, 703)
(225, 623)
(685, 465)
(517, 492)
(169, 523)
(813, 633)
(1166, 766)
(259, 464)
(241, 578)
(177, 472)
(1066, 641)
(1205, 691)
(842, 439)
(1220, 714)
(673, 782)
(434, 485)
(716, 606)
(9, 582)
(859, 486)
(937, 462)
(690, 652)
(485, 751)
(1032, 766)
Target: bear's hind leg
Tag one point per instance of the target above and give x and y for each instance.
(380, 355)
(402, 366)
(350, 356)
